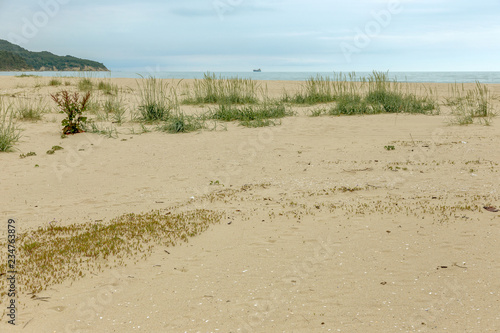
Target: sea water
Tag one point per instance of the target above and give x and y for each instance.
(438, 77)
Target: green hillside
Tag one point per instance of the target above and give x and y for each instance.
(16, 58)
(12, 62)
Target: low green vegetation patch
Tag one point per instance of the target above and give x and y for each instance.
(27, 75)
(55, 82)
(31, 153)
(364, 95)
(350, 105)
(53, 254)
(181, 123)
(54, 149)
(250, 116)
(217, 90)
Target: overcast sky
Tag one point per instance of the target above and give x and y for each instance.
(275, 35)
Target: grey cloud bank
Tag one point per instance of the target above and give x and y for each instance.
(232, 35)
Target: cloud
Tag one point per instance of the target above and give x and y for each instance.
(192, 12)
(191, 34)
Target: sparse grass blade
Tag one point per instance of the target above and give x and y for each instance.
(107, 131)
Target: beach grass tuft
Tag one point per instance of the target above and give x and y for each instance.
(9, 132)
(30, 109)
(181, 123)
(107, 88)
(211, 90)
(250, 115)
(363, 95)
(115, 107)
(324, 89)
(55, 82)
(472, 104)
(85, 84)
(351, 105)
(157, 99)
(391, 96)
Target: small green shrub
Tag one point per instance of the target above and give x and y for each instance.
(73, 107)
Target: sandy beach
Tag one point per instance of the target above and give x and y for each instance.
(323, 228)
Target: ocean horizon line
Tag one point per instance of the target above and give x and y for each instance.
(491, 77)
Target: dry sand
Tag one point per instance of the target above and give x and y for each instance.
(298, 251)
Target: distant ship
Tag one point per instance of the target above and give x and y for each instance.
(257, 70)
